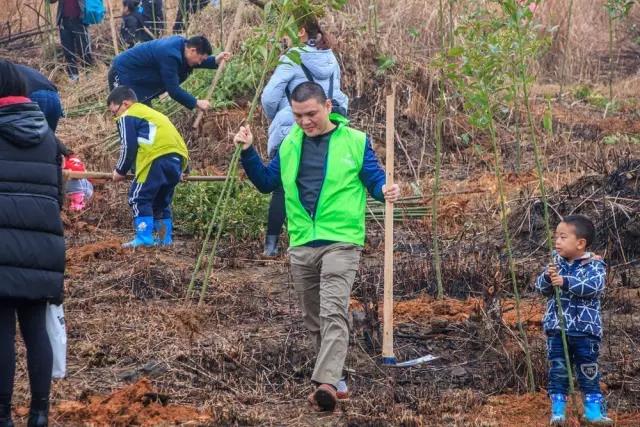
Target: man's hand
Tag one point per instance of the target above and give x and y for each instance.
(202, 104)
(117, 177)
(391, 194)
(184, 176)
(245, 138)
(223, 56)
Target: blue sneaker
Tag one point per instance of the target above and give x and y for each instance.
(144, 232)
(595, 411)
(558, 409)
(164, 230)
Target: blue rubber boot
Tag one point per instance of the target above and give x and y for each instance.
(595, 412)
(558, 409)
(144, 232)
(164, 230)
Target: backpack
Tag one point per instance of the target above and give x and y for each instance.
(93, 12)
(336, 107)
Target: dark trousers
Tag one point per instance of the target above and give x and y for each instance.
(32, 318)
(74, 38)
(154, 196)
(50, 105)
(583, 352)
(277, 213)
(186, 8)
(114, 80)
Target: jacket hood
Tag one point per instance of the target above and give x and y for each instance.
(321, 63)
(23, 124)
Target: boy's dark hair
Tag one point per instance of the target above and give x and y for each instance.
(583, 226)
(121, 94)
(309, 90)
(11, 81)
(201, 44)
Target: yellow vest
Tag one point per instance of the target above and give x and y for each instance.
(164, 139)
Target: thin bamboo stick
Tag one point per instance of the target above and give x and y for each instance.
(114, 34)
(108, 175)
(228, 46)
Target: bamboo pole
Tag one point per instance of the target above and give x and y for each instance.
(50, 30)
(227, 48)
(108, 175)
(388, 357)
(114, 35)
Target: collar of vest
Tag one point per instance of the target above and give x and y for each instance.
(135, 107)
(338, 119)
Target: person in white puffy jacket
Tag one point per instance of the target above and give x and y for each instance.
(319, 64)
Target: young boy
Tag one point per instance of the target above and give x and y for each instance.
(580, 277)
(154, 149)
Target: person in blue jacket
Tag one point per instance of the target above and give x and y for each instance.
(319, 64)
(159, 66)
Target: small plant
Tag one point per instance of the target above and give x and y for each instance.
(480, 65)
(385, 63)
(194, 206)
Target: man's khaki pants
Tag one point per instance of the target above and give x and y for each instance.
(322, 278)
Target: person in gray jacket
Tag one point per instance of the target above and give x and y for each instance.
(318, 64)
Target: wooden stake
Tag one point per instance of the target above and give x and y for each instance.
(107, 175)
(114, 35)
(388, 357)
(227, 48)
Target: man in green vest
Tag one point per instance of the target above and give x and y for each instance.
(325, 168)
(153, 148)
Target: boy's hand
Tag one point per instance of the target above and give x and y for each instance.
(223, 56)
(556, 279)
(117, 177)
(203, 104)
(391, 194)
(244, 137)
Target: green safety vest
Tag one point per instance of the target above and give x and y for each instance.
(164, 139)
(340, 210)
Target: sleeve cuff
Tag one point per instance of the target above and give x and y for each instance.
(378, 194)
(248, 153)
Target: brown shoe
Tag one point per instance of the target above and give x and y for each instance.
(323, 398)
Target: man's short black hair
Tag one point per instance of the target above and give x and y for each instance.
(121, 94)
(309, 90)
(201, 44)
(11, 81)
(584, 227)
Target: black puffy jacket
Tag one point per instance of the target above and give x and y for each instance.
(32, 252)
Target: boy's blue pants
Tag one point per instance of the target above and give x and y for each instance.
(583, 352)
(153, 197)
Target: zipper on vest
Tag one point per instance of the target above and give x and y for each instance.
(324, 177)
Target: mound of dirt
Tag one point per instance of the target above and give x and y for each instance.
(137, 404)
(426, 309)
(612, 202)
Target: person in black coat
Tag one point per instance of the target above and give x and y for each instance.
(32, 248)
(153, 12)
(133, 28)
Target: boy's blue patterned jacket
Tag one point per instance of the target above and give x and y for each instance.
(584, 281)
